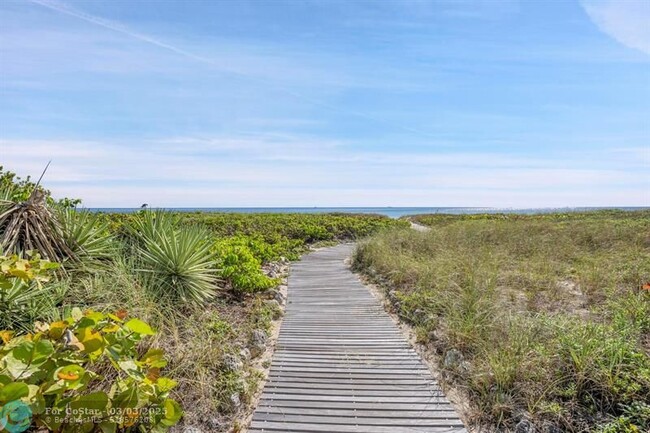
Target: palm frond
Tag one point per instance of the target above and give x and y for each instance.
(31, 225)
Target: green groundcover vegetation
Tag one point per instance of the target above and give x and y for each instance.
(540, 322)
(139, 322)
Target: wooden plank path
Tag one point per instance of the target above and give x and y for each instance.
(341, 364)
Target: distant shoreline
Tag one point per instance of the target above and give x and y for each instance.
(393, 212)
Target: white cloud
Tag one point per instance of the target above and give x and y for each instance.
(208, 196)
(627, 21)
(271, 170)
(101, 80)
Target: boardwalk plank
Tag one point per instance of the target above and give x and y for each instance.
(341, 364)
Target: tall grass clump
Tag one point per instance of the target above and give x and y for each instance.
(540, 321)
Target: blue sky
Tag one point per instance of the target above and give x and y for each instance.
(505, 103)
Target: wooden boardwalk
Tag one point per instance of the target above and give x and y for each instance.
(341, 364)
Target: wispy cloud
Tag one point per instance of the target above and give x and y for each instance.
(363, 115)
(428, 102)
(627, 21)
(117, 27)
(267, 170)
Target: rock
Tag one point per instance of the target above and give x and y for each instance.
(436, 335)
(232, 363)
(234, 401)
(419, 315)
(215, 424)
(259, 335)
(279, 297)
(453, 358)
(192, 429)
(274, 294)
(273, 270)
(524, 426)
(245, 354)
(257, 343)
(549, 427)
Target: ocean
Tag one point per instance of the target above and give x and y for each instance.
(393, 212)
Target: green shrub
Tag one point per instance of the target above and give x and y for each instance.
(25, 292)
(84, 374)
(13, 188)
(268, 236)
(635, 419)
(219, 328)
(240, 268)
(287, 234)
(267, 250)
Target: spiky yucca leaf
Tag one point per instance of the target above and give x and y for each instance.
(149, 224)
(26, 292)
(22, 303)
(87, 236)
(177, 260)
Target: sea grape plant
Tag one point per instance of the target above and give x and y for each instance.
(240, 268)
(51, 378)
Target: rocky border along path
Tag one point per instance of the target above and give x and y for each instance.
(341, 364)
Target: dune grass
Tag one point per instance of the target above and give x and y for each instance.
(195, 337)
(206, 337)
(539, 320)
(210, 295)
(207, 283)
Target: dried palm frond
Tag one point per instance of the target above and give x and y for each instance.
(30, 225)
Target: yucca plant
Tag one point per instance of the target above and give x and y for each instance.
(87, 236)
(22, 303)
(176, 262)
(147, 224)
(26, 293)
